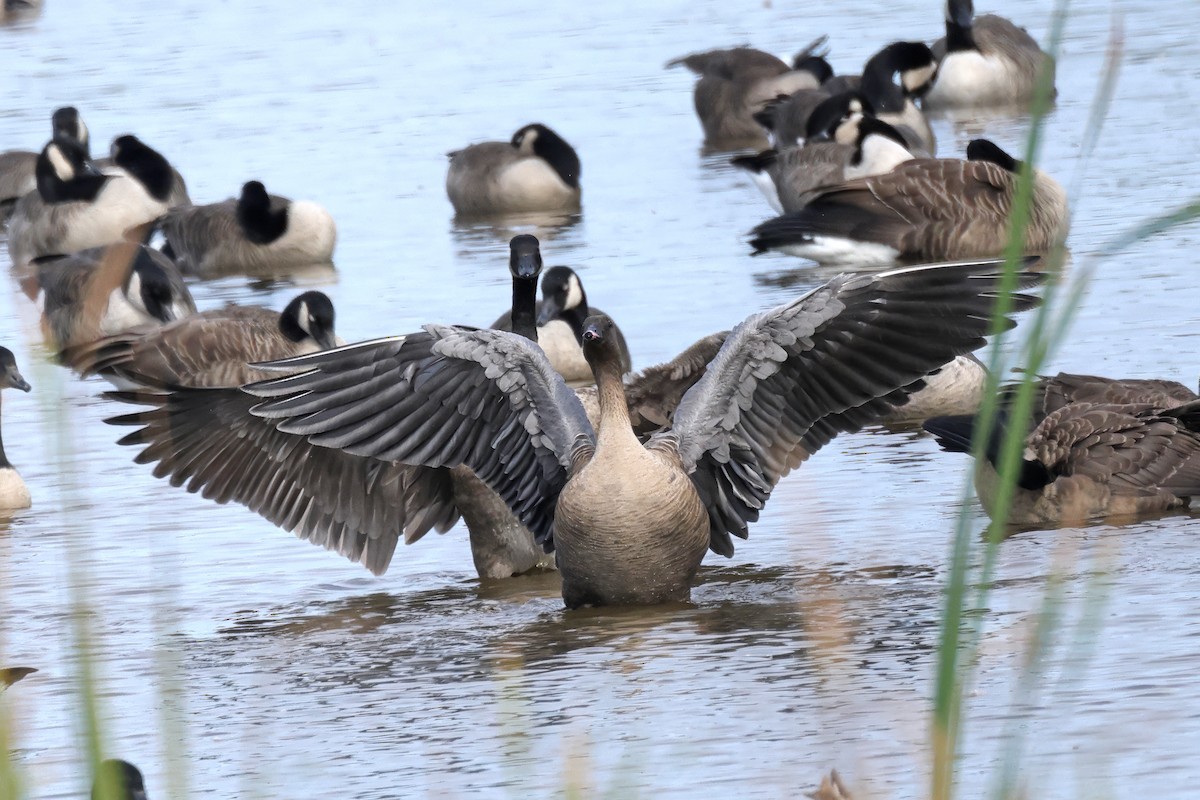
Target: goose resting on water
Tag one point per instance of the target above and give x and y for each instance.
(14, 494)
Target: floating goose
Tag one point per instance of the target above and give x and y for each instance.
(535, 171)
(258, 234)
(924, 209)
(107, 290)
(985, 61)
(18, 167)
(14, 494)
(629, 522)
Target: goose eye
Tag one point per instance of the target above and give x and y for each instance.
(591, 336)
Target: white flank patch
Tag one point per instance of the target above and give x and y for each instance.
(123, 313)
(769, 190)
(310, 236)
(836, 251)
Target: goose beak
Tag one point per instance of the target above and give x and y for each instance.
(592, 333)
(327, 339)
(550, 308)
(17, 382)
(527, 265)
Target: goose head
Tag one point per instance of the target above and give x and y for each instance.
(540, 141)
(118, 780)
(525, 257)
(562, 293)
(64, 174)
(154, 287)
(309, 316)
(145, 164)
(914, 62)
(831, 114)
(814, 65)
(261, 223)
(987, 150)
(10, 376)
(600, 343)
(66, 122)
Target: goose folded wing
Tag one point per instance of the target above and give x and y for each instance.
(788, 380)
(208, 441)
(485, 399)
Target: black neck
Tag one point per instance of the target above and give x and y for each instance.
(878, 85)
(260, 224)
(959, 38)
(575, 318)
(559, 155)
(524, 307)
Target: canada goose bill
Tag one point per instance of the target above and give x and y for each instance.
(76, 208)
(735, 84)
(891, 80)
(536, 171)
(259, 235)
(103, 291)
(923, 209)
(118, 780)
(1087, 460)
(598, 496)
(986, 62)
(14, 494)
(210, 349)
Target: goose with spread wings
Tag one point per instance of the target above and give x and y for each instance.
(631, 522)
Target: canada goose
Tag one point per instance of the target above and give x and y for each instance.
(131, 155)
(536, 171)
(258, 235)
(118, 780)
(211, 348)
(985, 61)
(208, 440)
(560, 316)
(843, 142)
(1052, 393)
(734, 84)
(1086, 460)
(630, 523)
(107, 290)
(914, 64)
(76, 207)
(925, 209)
(18, 167)
(14, 493)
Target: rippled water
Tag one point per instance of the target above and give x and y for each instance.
(288, 672)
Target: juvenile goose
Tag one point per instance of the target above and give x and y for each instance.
(1088, 460)
(560, 316)
(107, 290)
(14, 494)
(536, 171)
(257, 235)
(735, 84)
(985, 61)
(76, 207)
(211, 348)
(923, 210)
(118, 780)
(18, 167)
(630, 523)
(360, 507)
(843, 142)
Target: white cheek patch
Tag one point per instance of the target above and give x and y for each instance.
(526, 145)
(914, 79)
(81, 131)
(304, 318)
(574, 293)
(62, 167)
(133, 291)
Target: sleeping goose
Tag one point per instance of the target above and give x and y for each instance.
(18, 167)
(923, 210)
(736, 83)
(211, 348)
(107, 290)
(535, 171)
(359, 507)
(14, 494)
(75, 207)
(844, 142)
(1087, 460)
(985, 61)
(629, 522)
(560, 316)
(258, 234)
(913, 64)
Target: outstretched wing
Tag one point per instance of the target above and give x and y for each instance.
(790, 379)
(208, 441)
(486, 399)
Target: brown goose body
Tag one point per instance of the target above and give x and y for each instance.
(1002, 68)
(923, 210)
(536, 171)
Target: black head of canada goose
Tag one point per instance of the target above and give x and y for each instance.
(106, 290)
(14, 494)
(18, 167)
(735, 84)
(118, 780)
(924, 209)
(76, 207)
(213, 348)
(535, 171)
(780, 387)
(560, 316)
(985, 61)
(892, 79)
(1094, 449)
(259, 234)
